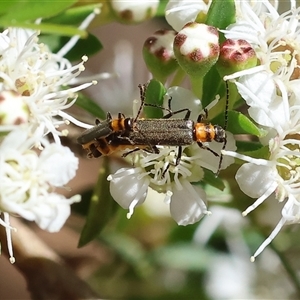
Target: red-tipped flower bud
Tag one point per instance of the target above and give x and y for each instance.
(196, 48)
(158, 54)
(235, 55)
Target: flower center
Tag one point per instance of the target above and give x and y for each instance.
(287, 59)
(163, 168)
(288, 165)
(23, 87)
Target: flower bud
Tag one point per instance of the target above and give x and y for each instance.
(235, 55)
(133, 11)
(159, 55)
(196, 48)
(13, 109)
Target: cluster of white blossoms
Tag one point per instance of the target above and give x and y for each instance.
(34, 92)
(271, 89)
(161, 172)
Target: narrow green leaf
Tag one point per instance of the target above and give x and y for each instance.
(244, 146)
(73, 15)
(221, 13)
(182, 233)
(90, 106)
(182, 256)
(263, 153)
(129, 250)
(6, 6)
(161, 8)
(211, 179)
(30, 10)
(46, 28)
(212, 83)
(87, 46)
(155, 96)
(102, 207)
(239, 124)
(82, 207)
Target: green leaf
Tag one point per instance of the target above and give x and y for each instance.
(129, 250)
(154, 96)
(30, 10)
(82, 207)
(221, 13)
(211, 179)
(239, 124)
(263, 153)
(74, 15)
(244, 146)
(90, 106)
(25, 13)
(212, 83)
(6, 6)
(102, 207)
(161, 8)
(87, 46)
(182, 233)
(47, 28)
(182, 256)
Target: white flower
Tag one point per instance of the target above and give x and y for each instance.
(178, 13)
(275, 39)
(28, 181)
(129, 187)
(266, 107)
(38, 76)
(34, 92)
(278, 176)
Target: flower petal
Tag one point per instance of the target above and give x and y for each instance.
(126, 186)
(255, 180)
(187, 205)
(59, 164)
(52, 215)
(178, 13)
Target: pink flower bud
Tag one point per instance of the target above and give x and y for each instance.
(236, 55)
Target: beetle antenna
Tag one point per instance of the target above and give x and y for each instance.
(225, 126)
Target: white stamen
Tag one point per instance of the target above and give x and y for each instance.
(131, 208)
(8, 229)
(260, 200)
(85, 23)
